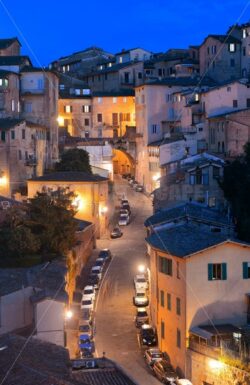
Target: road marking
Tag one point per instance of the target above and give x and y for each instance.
(114, 335)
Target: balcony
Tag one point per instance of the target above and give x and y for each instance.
(30, 91)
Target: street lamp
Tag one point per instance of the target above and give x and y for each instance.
(215, 365)
(141, 268)
(104, 210)
(68, 314)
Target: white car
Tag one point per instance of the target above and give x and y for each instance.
(87, 302)
(140, 298)
(152, 355)
(90, 291)
(97, 270)
(123, 220)
(182, 381)
(140, 282)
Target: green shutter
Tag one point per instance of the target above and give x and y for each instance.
(245, 270)
(210, 271)
(224, 271)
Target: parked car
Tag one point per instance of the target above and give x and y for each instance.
(140, 298)
(152, 355)
(126, 176)
(86, 328)
(116, 233)
(164, 371)
(148, 335)
(105, 253)
(126, 207)
(124, 202)
(141, 316)
(139, 188)
(86, 346)
(90, 291)
(97, 270)
(100, 263)
(140, 282)
(94, 280)
(87, 302)
(123, 220)
(131, 181)
(124, 212)
(86, 315)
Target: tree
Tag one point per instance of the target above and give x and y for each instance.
(52, 218)
(236, 187)
(74, 160)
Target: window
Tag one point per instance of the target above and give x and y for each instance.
(115, 120)
(3, 136)
(178, 270)
(214, 49)
(126, 77)
(232, 47)
(248, 103)
(124, 99)
(86, 122)
(235, 103)
(86, 108)
(19, 154)
(216, 172)
(106, 76)
(114, 99)
(169, 304)
(99, 118)
(23, 133)
(178, 306)
(232, 62)
(228, 89)
(68, 109)
(162, 298)
(199, 177)
(139, 75)
(12, 134)
(99, 100)
(217, 271)
(244, 51)
(178, 338)
(244, 33)
(208, 50)
(86, 134)
(120, 59)
(12, 105)
(165, 266)
(162, 329)
(40, 84)
(246, 270)
(154, 128)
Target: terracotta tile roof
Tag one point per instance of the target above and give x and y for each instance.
(70, 176)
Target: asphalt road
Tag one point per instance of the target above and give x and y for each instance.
(116, 334)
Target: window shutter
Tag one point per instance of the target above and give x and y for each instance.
(224, 271)
(64, 108)
(245, 270)
(210, 271)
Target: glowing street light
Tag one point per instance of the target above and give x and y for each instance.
(215, 365)
(156, 176)
(104, 210)
(68, 314)
(141, 268)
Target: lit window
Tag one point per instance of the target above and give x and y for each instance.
(101, 67)
(18, 107)
(1, 82)
(232, 47)
(110, 65)
(217, 271)
(86, 108)
(120, 59)
(196, 97)
(67, 67)
(63, 69)
(12, 105)
(99, 100)
(114, 99)
(124, 100)
(68, 109)
(165, 265)
(244, 33)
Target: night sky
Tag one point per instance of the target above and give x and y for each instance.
(49, 29)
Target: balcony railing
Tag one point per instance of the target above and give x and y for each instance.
(226, 349)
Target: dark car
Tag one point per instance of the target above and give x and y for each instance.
(125, 206)
(105, 253)
(164, 371)
(116, 233)
(147, 335)
(94, 280)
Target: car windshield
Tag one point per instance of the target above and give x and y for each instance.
(84, 340)
(140, 295)
(142, 314)
(148, 332)
(104, 253)
(84, 328)
(116, 229)
(89, 291)
(167, 367)
(87, 302)
(141, 280)
(123, 216)
(156, 355)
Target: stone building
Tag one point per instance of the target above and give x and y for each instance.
(220, 57)
(10, 47)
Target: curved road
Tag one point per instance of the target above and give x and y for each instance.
(116, 334)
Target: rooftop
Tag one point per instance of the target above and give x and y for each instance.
(182, 81)
(228, 113)
(14, 60)
(5, 43)
(69, 176)
(172, 139)
(6, 124)
(122, 92)
(187, 210)
(186, 239)
(227, 39)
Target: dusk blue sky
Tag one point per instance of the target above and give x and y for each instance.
(55, 28)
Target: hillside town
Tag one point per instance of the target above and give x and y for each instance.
(124, 215)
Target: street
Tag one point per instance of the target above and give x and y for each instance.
(116, 334)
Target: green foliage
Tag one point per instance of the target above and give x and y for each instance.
(45, 226)
(74, 160)
(236, 187)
